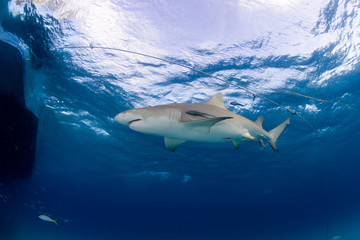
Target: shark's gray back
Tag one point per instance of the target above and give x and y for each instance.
(199, 111)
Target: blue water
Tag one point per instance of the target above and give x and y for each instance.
(104, 181)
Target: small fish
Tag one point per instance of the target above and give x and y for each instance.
(339, 237)
(200, 114)
(235, 103)
(48, 219)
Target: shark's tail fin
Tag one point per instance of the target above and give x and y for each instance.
(275, 133)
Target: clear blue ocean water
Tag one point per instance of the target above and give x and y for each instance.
(103, 181)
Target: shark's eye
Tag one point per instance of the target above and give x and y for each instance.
(132, 121)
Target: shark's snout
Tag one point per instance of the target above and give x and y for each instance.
(127, 118)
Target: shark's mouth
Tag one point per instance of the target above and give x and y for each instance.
(132, 121)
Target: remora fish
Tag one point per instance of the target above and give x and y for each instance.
(48, 219)
(210, 121)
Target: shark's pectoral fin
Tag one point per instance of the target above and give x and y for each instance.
(172, 143)
(203, 126)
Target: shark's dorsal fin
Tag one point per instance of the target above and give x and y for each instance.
(172, 143)
(217, 100)
(203, 126)
(259, 121)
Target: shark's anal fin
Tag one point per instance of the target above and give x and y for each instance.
(172, 143)
(203, 126)
(262, 143)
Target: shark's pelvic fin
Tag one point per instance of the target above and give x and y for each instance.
(259, 121)
(217, 100)
(203, 126)
(237, 144)
(275, 133)
(172, 143)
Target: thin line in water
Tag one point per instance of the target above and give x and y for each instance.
(293, 112)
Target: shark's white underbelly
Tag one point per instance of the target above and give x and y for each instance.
(220, 132)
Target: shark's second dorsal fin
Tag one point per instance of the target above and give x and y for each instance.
(217, 100)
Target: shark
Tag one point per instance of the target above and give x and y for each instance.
(209, 121)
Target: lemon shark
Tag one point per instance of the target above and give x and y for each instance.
(209, 121)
